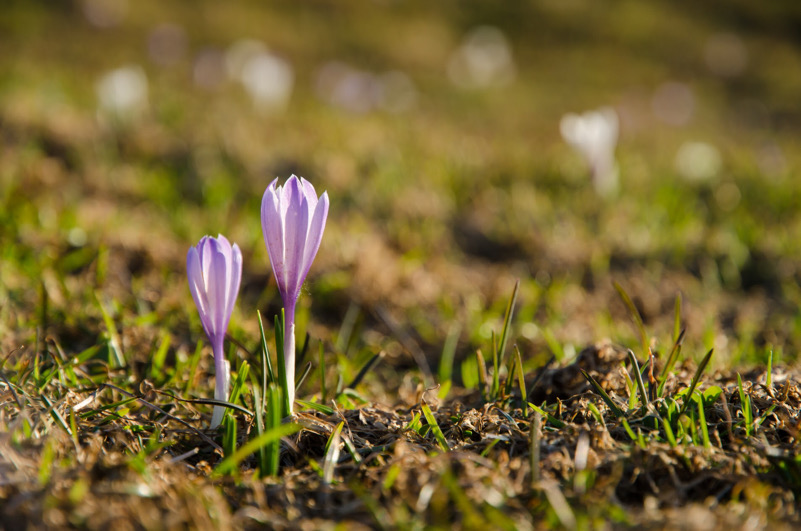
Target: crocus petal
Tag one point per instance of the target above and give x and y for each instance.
(272, 226)
(296, 230)
(311, 195)
(316, 228)
(234, 281)
(197, 286)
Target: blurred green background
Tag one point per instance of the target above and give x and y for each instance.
(129, 129)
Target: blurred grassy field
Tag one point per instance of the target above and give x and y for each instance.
(444, 191)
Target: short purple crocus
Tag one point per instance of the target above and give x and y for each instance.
(214, 269)
(293, 221)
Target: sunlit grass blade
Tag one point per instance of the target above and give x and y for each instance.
(322, 408)
(638, 380)
(673, 357)
(302, 377)
(229, 435)
(616, 411)
(445, 372)
(332, 454)
(511, 376)
(229, 464)
(272, 418)
(677, 329)
(696, 378)
(507, 321)
(669, 432)
(267, 367)
(159, 357)
(521, 381)
(745, 405)
(435, 429)
(699, 401)
(635, 315)
(115, 345)
(628, 429)
(553, 421)
(258, 407)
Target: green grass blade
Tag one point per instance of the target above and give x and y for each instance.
(677, 330)
(521, 381)
(696, 378)
(273, 417)
(445, 372)
(229, 435)
(268, 376)
(507, 320)
(230, 463)
(432, 422)
(616, 411)
(332, 454)
(555, 422)
(114, 342)
(673, 357)
(699, 401)
(322, 408)
(638, 379)
(745, 405)
(635, 315)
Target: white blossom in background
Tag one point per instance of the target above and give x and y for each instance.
(594, 135)
(122, 94)
(483, 60)
(267, 78)
(698, 161)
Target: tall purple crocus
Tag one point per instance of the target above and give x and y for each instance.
(293, 221)
(214, 269)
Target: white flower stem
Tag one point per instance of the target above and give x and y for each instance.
(289, 358)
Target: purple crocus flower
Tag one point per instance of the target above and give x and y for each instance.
(293, 221)
(214, 269)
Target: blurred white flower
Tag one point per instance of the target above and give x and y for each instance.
(483, 60)
(698, 161)
(594, 135)
(673, 103)
(267, 78)
(122, 94)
